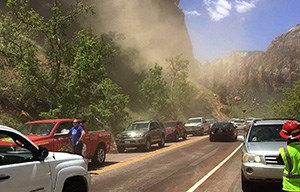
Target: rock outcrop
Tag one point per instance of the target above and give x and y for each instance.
(244, 73)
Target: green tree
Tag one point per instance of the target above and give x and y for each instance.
(182, 93)
(54, 73)
(153, 90)
(289, 104)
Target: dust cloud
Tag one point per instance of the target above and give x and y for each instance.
(154, 28)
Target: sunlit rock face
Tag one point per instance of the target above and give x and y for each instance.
(246, 72)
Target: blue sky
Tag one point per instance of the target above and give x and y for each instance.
(217, 27)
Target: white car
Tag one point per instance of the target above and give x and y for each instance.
(26, 167)
(197, 126)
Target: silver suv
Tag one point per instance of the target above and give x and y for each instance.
(260, 150)
(141, 134)
(197, 126)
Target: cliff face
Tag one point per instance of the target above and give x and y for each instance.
(245, 73)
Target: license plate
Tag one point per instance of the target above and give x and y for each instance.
(126, 142)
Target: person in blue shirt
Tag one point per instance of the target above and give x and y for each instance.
(77, 132)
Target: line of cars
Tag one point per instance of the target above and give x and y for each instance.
(143, 134)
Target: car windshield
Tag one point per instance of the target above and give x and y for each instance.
(194, 121)
(37, 129)
(137, 126)
(265, 133)
(170, 124)
(221, 125)
(239, 121)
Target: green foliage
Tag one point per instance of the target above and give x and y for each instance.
(172, 97)
(182, 94)
(289, 105)
(55, 74)
(154, 92)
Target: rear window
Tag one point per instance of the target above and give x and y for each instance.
(265, 133)
(194, 121)
(221, 125)
(170, 124)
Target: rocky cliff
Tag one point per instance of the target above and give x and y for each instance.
(257, 74)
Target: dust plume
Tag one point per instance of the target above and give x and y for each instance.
(155, 28)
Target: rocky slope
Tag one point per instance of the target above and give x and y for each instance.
(253, 75)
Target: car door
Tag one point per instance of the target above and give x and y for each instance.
(62, 140)
(155, 131)
(18, 170)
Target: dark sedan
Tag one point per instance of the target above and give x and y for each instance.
(223, 131)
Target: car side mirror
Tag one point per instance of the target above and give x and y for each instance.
(43, 152)
(241, 138)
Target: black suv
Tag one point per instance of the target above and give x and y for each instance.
(141, 134)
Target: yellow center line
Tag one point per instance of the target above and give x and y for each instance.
(151, 154)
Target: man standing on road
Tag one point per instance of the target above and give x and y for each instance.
(290, 156)
(77, 132)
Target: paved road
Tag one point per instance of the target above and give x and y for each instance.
(177, 167)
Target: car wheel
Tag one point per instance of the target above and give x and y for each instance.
(162, 142)
(211, 139)
(99, 156)
(184, 137)
(147, 146)
(121, 149)
(247, 185)
(74, 186)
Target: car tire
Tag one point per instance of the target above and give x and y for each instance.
(247, 186)
(211, 139)
(162, 142)
(74, 186)
(99, 156)
(121, 149)
(147, 146)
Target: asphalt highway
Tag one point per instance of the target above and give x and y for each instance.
(186, 166)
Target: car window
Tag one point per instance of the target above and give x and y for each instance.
(221, 125)
(170, 124)
(64, 126)
(194, 121)
(37, 129)
(156, 125)
(13, 151)
(265, 133)
(137, 126)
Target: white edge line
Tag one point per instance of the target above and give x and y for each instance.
(196, 185)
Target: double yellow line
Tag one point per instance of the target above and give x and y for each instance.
(148, 155)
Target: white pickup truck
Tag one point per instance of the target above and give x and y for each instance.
(26, 167)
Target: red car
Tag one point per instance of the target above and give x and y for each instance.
(53, 134)
(174, 130)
